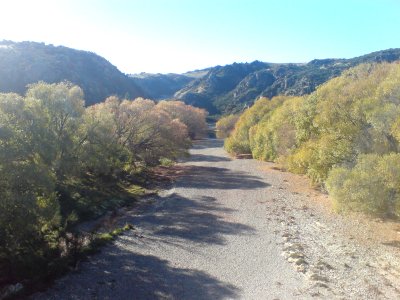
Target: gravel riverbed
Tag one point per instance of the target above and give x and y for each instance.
(239, 229)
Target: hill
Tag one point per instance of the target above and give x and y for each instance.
(230, 88)
(164, 86)
(29, 62)
(160, 86)
(219, 89)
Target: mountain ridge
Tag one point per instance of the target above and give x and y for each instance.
(219, 89)
(23, 63)
(230, 88)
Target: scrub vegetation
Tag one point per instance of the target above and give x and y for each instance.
(62, 163)
(344, 136)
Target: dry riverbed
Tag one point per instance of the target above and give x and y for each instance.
(239, 229)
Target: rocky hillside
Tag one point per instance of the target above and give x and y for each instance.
(230, 88)
(160, 86)
(219, 89)
(164, 86)
(29, 62)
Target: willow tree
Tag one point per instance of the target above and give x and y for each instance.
(194, 118)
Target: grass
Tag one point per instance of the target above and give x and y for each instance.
(102, 239)
(166, 162)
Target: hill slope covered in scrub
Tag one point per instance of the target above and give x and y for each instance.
(230, 88)
(29, 62)
(219, 89)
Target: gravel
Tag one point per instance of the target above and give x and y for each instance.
(235, 229)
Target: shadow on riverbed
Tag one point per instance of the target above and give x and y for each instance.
(208, 143)
(122, 274)
(207, 158)
(148, 277)
(219, 178)
(199, 220)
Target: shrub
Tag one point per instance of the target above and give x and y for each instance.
(194, 118)
(348, 126)
(225, 125)
(238, 142)
(372, 185)
(61, 162)
(275, 136)
(347, 116)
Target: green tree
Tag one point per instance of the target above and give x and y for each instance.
(239, 140)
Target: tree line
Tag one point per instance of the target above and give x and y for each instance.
(55, 153)
(344, 136)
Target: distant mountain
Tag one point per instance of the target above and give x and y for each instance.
(206, 91)
(29, 62)
(164, 86)
(230, 88)
(160, 86)
(219, 89)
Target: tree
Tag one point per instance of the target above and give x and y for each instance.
(51, 146)
(62, 105)
(239, 141)
(141, 131)
(225, 125)
(194, 118)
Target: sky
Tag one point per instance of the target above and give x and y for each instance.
(175, 36)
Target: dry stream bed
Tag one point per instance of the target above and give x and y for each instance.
(239, 229)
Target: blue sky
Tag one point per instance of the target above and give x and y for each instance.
(162, 36)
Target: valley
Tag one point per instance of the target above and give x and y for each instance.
(200, 150)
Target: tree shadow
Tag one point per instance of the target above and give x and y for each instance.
(219, 178)
(121, 274)
(208, 143)
(199, 220)
(207, 158)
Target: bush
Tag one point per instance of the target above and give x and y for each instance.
(346, 117)
(275, 136)
(372, 185)
(194, 118)
(332, 135)
(225, 125)
(238, 142)
(61, 163)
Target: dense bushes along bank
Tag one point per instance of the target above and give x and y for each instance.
(345, 136)
(61, 162)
